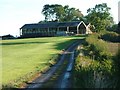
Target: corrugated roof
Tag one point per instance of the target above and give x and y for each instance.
(50, 24)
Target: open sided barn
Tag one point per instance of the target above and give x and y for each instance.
(54, 29)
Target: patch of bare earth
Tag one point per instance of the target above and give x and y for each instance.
(113, 47)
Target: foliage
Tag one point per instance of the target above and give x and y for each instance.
(99, 71)
(52, 12)
(100, 17)
(117, 66)
(118, 28)
(111, 36)
(118, 58)
(91, 73)
(112, 28)
(61, 13)
(98, 47)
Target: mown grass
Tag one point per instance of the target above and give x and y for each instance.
(21, 57)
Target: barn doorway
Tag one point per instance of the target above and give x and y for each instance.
(82, 29)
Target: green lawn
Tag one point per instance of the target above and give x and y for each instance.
(22, 56)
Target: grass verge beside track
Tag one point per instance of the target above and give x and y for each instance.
(25, 57)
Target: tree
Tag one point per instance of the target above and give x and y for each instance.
(52, 12)
(118, 28)
(113, 28)
(100, 17)
(72, 14)
(61, 13)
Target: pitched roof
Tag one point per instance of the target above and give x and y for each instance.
(50, 24)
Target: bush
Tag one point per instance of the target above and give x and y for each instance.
(117, 66)
(98, 47)
(112, 28)
(87, 72)
(111, 36)
(99, 72)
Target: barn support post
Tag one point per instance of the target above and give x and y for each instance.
(48, 32)
(57, 30)
(77, 29)
(67, 29)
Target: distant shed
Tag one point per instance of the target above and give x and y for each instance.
(5, 37)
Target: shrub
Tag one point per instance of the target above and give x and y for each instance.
(98, 47)
(99, 72)
(87, 72)
(117, 66)
(111, 36)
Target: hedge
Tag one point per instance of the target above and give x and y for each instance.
(98, 47)
(111, 36)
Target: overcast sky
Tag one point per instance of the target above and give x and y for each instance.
(15, 13)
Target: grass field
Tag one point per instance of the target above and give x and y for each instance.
(22, 56)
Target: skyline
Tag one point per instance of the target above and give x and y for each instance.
(16, 13)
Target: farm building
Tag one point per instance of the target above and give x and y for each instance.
(54, 29)
(5, 37)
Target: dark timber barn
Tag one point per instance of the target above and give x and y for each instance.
(53, 29)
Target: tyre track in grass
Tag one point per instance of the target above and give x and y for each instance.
(64, 80)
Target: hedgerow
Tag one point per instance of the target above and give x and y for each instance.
(111, 36)
(96, 69)
(91, 73)
(98, 47)
(117, 66)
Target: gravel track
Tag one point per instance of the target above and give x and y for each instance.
(65, 79)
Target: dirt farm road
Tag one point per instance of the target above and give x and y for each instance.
(64, 80)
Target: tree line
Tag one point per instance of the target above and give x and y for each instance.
(61, 13)
(99, 16)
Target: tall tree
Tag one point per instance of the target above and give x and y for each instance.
(61, 13)
(72, 14)
(52, 12)
(118, 28)
(100, 17)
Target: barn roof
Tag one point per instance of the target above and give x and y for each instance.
(50, 24)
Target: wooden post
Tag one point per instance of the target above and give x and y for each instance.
(57, 30)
